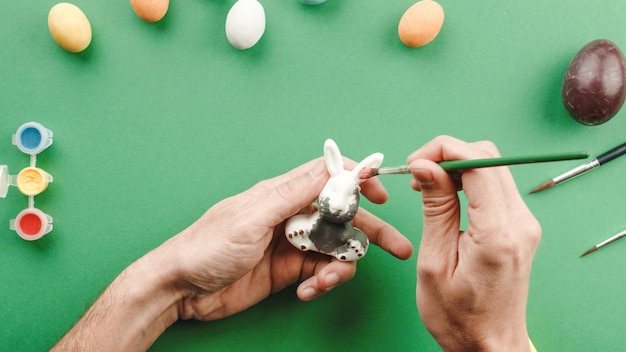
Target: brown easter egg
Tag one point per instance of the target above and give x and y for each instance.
(593, 88)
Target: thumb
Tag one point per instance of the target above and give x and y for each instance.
(291, 192)
(441, 211)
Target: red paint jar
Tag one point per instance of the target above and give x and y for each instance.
(32, 224)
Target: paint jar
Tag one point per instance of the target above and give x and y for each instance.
(5, 180)
(32, 180)
(32, 138)
(31, 224)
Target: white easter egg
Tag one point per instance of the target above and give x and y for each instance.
(245, 24)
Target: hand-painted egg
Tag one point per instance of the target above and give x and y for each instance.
(69, 27)
(421, 23)
(150, 10)
(245, 24)
(593, 89)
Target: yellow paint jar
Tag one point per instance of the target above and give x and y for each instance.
(32, 180)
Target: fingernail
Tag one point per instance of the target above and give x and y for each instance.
(423, 176)
(308, 293)
(317, 169)
(332, 279)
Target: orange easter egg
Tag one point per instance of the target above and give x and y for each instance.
(421, 23)
(150, 10)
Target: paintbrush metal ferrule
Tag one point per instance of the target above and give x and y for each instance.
(579, 170)
(394, 170)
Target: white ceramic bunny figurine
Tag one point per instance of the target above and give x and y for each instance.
(329, 230)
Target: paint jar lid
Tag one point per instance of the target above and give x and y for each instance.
(32, 138)
(5, 180)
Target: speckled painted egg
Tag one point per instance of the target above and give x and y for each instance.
(421, 23)
(593, 89)
(245, 24)
(69, 27)
(150, 10)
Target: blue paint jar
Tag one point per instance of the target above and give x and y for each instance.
(32, 138)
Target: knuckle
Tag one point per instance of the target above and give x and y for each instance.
(488, 147)
(438, 205)
(516, 246)
(287, 190)
(444, 139)
(428, 271)
(531, 232)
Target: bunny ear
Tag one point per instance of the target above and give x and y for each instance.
(332, 157)
(372, 161)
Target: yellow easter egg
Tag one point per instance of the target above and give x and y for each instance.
(150, 10)
(421, 23)
(69, 27)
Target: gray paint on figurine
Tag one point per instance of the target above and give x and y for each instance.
(329, 230)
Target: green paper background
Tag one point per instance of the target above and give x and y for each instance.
(156, 122)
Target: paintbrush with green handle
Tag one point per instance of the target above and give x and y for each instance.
(460, 165)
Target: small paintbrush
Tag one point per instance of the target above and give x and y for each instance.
(605, 242)
(588, 166)
(460, 165)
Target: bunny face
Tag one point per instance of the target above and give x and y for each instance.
(339, 199)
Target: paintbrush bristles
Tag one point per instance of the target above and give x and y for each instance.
(544, 186)
(367, 172)
(590, 250)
